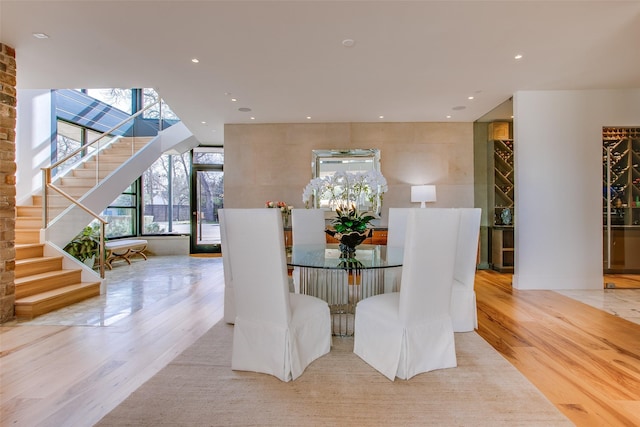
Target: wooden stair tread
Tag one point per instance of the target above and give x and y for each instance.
(35, 260)
(43, 296)
(28, 250)
(41, 276)
(27, 245)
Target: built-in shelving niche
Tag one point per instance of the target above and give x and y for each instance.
(621, 199)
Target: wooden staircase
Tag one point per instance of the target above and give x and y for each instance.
(42, 285)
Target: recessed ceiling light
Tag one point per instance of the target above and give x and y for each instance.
(381, 117)
(253, 118)
(448, 117)
(40, 35)
(469, 97)
(308, 117)
(233, 99)
(195, 60)
(348, 42)
(518, 56)
(244, 109)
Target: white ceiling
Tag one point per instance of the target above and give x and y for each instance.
(411, 61)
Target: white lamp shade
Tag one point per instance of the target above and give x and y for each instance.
(423, 193)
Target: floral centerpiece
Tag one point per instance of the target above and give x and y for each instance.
(361, 189)
(350, 228)
(284, 208)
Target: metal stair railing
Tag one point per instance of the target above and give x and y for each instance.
(47, 175)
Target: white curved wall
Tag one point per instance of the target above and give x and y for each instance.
(558, 172)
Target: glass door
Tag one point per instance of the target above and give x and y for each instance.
(621, 200)
(207, 195)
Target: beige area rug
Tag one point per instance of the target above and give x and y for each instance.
(198, 388)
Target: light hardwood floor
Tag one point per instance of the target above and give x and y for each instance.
(73, 375)
(585, 361)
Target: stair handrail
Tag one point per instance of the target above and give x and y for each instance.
(102, 221)
(106, 133)
(47, 171)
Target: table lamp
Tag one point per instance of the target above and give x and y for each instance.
(423, 194)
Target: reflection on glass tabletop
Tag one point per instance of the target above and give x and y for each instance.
(328, 256)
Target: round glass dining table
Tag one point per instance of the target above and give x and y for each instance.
(320, 271)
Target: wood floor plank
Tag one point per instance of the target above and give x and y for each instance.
(568, 396)
(586, 361)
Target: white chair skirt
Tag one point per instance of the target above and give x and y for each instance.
(463, 308)
(390, 347)
(262, 347)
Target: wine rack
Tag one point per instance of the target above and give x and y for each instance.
(621, 199)
(621, 175)
(503, 179)
(501, 198)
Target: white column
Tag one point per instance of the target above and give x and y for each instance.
(558, 174)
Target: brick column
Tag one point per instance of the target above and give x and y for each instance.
(7, 181)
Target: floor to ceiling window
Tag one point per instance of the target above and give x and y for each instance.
(160, 201)
(165, 195)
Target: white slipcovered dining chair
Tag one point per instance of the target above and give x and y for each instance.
(405, 333)
(229, 302)
(396, 232)
(307, 228)
(276, 332)
(463, 296)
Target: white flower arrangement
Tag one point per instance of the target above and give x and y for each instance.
(347, 188)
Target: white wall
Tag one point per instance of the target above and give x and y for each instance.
(558, 187)
(33, 142)
(168, 245)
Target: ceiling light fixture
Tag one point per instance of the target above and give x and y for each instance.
(308, 117)
(253, 118)
(203, 122)
(233, 99)
(244, 109)
(459, 107)
(448, 117)
(518, 56)
(348, 42)
(40, 35)
(469, 97)
(381, 117)
(195, 60)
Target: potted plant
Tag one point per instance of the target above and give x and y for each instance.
(350, 228)
(85, 247)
